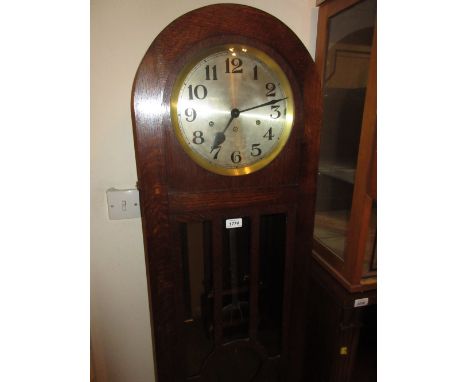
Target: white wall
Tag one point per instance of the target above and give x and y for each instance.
(121, 32)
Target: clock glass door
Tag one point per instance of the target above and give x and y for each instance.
(198, 330)
(232, 307)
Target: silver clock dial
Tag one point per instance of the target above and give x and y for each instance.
(233, 110)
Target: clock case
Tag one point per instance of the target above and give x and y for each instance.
(175, 191)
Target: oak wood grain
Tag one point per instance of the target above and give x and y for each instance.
(173, 189)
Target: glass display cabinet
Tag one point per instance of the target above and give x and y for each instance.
(345, 238)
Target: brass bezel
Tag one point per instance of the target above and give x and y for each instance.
(286, 86)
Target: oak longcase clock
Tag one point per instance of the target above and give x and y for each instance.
(226, 109)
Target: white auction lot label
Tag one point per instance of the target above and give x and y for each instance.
(234, 223)
(361, 302)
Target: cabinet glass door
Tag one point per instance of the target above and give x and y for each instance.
(350, 35)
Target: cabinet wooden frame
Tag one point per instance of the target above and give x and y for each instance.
(349, 270)
(333, 323)
(174, 189)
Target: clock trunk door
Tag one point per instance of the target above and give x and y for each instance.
(233, 294)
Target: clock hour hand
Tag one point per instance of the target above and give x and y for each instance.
(272, 102)
(220, 137)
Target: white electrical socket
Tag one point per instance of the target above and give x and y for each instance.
(123, 204)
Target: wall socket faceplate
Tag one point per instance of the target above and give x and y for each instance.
(123, 204)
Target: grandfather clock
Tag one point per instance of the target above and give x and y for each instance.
(226, 110)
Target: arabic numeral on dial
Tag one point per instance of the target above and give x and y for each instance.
(235, 157)
(255, 70)
(236, 63)
(271, 89)
(217, 152)
(190, 114)
(276, 111)
(212, 74)
(256, 151)
(198, 137)
(269, 134)
(199, 91)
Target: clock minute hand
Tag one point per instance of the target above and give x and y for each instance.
(272, 102)
(220, 136)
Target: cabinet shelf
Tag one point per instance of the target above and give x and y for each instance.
(341, 171)
(331, 229)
